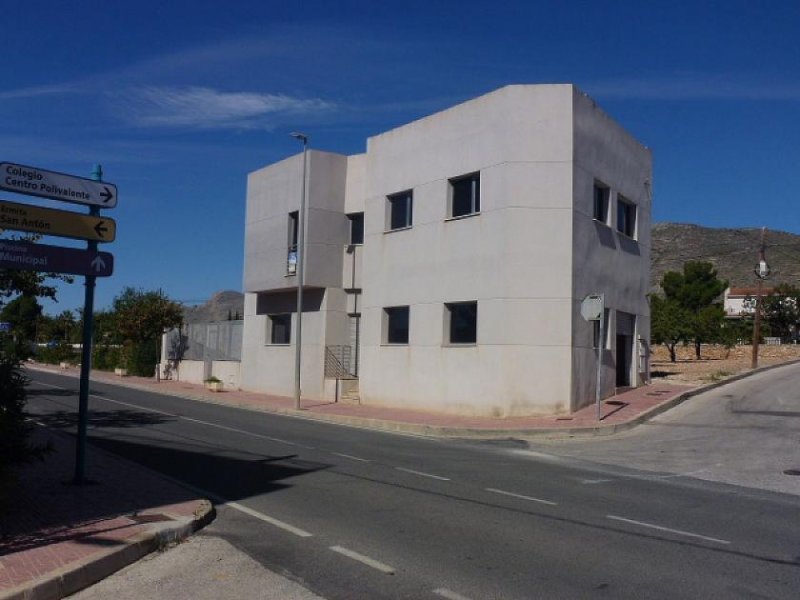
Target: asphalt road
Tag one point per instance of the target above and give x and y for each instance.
(745, 433)
(352, 513)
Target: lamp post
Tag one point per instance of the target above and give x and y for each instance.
(301, 258)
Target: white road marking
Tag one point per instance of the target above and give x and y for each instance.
(521, 497)
(595, 481)
(351, 457)
(449, 594)
(534, 454)
(423, 474)
(667, 529)
(370, 562)
(267, 519)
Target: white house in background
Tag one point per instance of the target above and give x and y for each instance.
(740, 301)
(446, 265)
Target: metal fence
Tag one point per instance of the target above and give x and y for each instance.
(220, 340)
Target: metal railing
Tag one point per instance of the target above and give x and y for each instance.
(338, 362)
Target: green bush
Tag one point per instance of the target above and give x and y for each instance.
(14, 430)
(106, 358)
(61, 353)
(142, 359)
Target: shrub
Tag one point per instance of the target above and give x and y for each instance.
(142, 359)
(56, 354)
(106, 358)
(14, 430)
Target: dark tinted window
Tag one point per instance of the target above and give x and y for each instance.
(601, 202)
(466, 195)
(281, 326)
(356, 228)
(463, 322)
(400, 210)
(397, 325)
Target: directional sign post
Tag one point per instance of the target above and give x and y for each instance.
(593, 309)
(54, 259)
(33, 181)
(62, 223)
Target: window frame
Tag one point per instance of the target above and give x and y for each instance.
(389, 312)
(474, 198)
(448, 323)
(599, 186)
(631, 212)
(352, 219)
(391, 199)
(271, 329)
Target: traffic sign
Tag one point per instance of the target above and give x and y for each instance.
(54, 259)
(592, 307)
(33, 181)
(62, 223)
(5, 326)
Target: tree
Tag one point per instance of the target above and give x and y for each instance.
(22, 313)
(697, 290)
(28, 283)
(781, 311)
(668, 323)
(141, 318)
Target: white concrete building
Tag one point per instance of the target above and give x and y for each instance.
(446, 265)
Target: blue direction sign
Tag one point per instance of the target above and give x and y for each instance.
(54, 259)
(5, 326)
(34, 181)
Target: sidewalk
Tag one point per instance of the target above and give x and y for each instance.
(56, 538)
(617, 413)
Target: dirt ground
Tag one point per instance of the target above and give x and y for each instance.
(715, 363)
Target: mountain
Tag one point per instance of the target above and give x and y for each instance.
(734, 252)
(216, 308)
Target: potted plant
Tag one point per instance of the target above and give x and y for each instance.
(214, 384)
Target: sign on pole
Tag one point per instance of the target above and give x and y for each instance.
(62, 223)
(593, 309)
(33, 181)
(54, 259)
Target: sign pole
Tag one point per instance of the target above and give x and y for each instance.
(600, 343)
(86, 355)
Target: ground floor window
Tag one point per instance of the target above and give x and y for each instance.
(461, 322)
(395, 325)
(279, 329)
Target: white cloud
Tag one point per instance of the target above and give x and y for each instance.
(41, 90)
(206, 108)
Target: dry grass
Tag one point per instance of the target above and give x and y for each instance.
(716, 362)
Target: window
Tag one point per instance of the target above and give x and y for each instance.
(291, 257)
(626, 217)
(395, 325)
(465, 195)
(462, 322)
(400, 210)
(356, 228)
(601, 194)
(280, 329)
(596, 330)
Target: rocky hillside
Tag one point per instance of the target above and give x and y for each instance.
(217, 308)
(733, 252)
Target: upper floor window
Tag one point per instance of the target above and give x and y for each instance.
(291, 257)
(400, 210)
(601, 195)
(465, 195)
(626, 217)
(356, 228)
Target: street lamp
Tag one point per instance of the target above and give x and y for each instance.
(301, 258)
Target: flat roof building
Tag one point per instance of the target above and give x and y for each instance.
(446, 265)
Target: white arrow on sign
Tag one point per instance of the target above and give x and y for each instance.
(33, 181)
(98, 264)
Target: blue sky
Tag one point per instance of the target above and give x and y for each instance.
(180, 100)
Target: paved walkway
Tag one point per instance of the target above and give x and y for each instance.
(56, 538)
(616, 413)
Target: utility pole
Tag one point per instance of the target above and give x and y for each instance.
(301, 258)
(762, 272)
